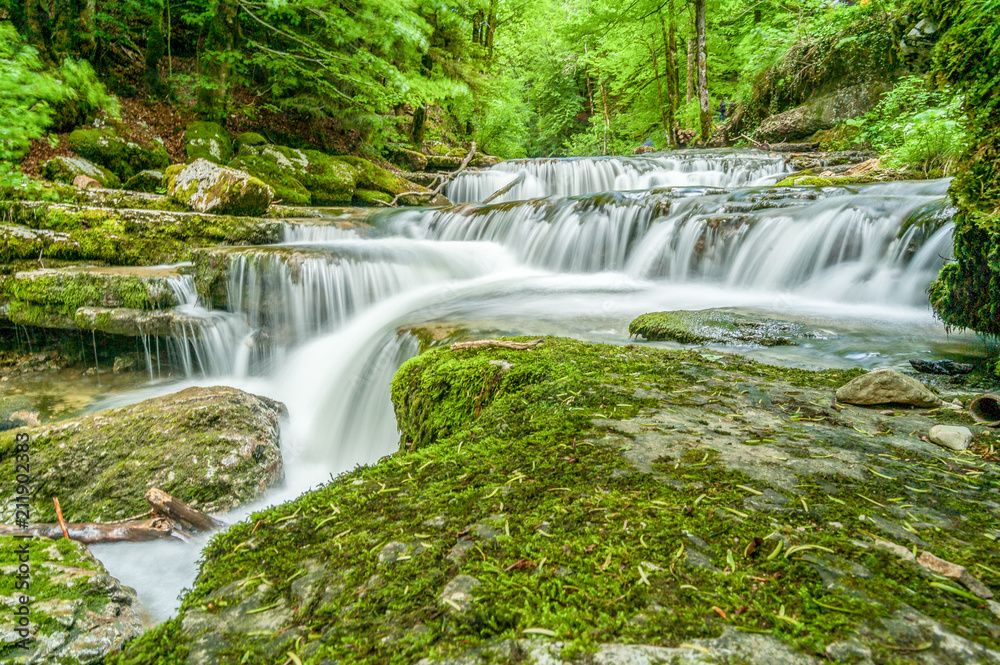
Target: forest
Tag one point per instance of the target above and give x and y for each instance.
(459, 332)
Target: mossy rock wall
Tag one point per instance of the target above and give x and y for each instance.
(214, 448)
(572, 499)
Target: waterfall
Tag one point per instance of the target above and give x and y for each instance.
(537, 178)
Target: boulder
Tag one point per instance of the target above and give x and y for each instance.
(887, 386)
(411, 160)
(213, 448)
(123, 158)
(68, 169)
(821, 112)
(149, 180)
(86, 182)
(715, 327)
(207, 140)
(248, 139)
(207, 187)
(310, 177)
(949, 436)
(78, 612)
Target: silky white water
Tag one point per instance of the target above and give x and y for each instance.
(576, 247)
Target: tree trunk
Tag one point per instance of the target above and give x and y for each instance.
(215, 59)
(90, 533)
(692, 49)
(155, 47)
(418, 126)
(670, 54)
(491, 27)
(659, 92)
(37, 28)
(703, 103)
(73, 29)
(607, 116)
(590, 93)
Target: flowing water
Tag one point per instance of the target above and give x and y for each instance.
(572, 247)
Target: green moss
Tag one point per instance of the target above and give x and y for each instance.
(147, 181)
(523, 453)
(207, 140)
(714, 327)
(247, 139)
(66, 169)
(65, 291)
(121, 157)
(287, 189)
(211, 447)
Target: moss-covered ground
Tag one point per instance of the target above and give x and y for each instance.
(604, 494)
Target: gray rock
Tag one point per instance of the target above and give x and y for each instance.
(457, 594)
(67, 169)
(79, 613)
(207, 187)
(849, 651)
(886, 386)
(949, 436)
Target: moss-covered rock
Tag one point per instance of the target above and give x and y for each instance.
(20, 243)
(715, 327)
(123, 158)
(247, 139)
(78, 613)
(207, 187)
(593, 497)
(66, 169)
(137, 237)
(409, 160)
(304, 177)
(214, 448)
(207, 140)
(149, 181)
(68, 289)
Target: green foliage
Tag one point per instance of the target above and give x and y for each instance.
(502, 125)
(30, 92)
(912, 126)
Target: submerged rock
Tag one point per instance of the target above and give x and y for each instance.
(68, 169)
(887, 386)
(715, 327)
(214, 448)
(207, 187)
(79, 614)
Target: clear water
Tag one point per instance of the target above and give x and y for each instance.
(577, 248)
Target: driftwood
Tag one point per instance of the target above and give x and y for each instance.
(497, 194)
(168, 506)
(760, 145)
(444, 181)
(502, 343)
(90, 533)
(167, 518)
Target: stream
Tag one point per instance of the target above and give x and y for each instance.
(575, 247)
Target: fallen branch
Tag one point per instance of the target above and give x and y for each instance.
(499, 193)
(168, 506)
(169, 515)
(444, 181)
(91, 533)
(760, 145)
(502, 343)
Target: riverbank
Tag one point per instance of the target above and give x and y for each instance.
(575, 498)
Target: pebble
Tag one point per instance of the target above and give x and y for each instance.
(949, 436)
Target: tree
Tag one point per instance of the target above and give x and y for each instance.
(702, 67)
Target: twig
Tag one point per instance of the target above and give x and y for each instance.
(481, 344)
(506, 189)
(757, 144)
(59, 515)
(444, 181)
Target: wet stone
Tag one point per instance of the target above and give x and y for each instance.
(457, 594)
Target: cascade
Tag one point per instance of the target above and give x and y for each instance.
(538, 178)
(577, 247)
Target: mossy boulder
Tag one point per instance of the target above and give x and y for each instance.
(129, 236)
(79, 614)
(122, 157)
(409, 160)
(67, 289)
(310, 177)
(248, 139)
(207, 187)
(66, 169)
(207, 140)
(149, 180)
(646, 505)
(214, 448)
(715, 327)
(821, 112)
